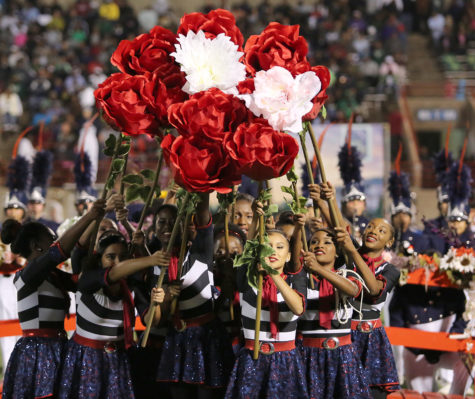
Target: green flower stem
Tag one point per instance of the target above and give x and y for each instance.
(257, 327)
(183, 247)
(309, 169)
(304, 236)
(122, 184)
(331, 205)
(92, 242)
(152, 191)
(176, 227)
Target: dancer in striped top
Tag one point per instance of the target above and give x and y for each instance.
(96, 364)
(278, 372)
(197, 352)
(332, 366)
(368, 334)
(43, 303)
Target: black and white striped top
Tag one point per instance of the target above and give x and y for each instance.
(287, 325)
(196, 297)
(372, 305)
(41, 291)
(99, 315)
(308, 324)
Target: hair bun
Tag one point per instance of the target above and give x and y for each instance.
(10, 230)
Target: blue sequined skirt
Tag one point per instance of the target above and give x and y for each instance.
(197, 355)
(33, 368)
(334, 373)
(377, 358)
(277, 376)
(89, 373)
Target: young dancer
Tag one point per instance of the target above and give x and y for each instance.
(43, 303)
(96, 364)
(368, 334)
(332, 365)
(197, 353)
(278, 372)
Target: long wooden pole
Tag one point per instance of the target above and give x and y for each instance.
(92, 242)
(331, 204)
(257, 327)
(181, 256)
(175, 230)
(226, 252)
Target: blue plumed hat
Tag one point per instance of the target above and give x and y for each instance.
(18, 176)
(42, 168)
(458, 182)
(442, 162)
(399, 188)
(84, 178)
(349, 163)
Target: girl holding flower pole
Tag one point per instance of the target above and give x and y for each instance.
(196, 353)
(278, 371)
(332, 365)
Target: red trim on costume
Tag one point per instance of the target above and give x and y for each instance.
(358, 284)
(207, 225)
(298, 271)
(98, 344)
(278, 346)
(383, 279)
(375, 323)
(319, 342)
(61, 251)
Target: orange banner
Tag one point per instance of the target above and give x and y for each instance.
(433, 279)
(397, 336)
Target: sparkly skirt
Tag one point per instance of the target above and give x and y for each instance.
(377, 358)
(33, 368)
(197, 355)
(89, 373)
(334, 373)
(277, 376)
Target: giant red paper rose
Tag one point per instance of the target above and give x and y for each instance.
(165, 93)
(261, 152)
(212, 24)
(200, 164)
(277, 45)
(209, 112)
(324, 75)
(149, 52)
(126, 104)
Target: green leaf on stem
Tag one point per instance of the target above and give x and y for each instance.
(143, 192)
(110, 142)
(225, 201)
(253, 254)
(291, 175)
(149, 174)
(118, 165)
(132, 193)
(123, 149)
(324, 112)
(132, 179)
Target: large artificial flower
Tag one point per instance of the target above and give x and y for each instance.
(166, 92)
(209, 63)
(277, 45)
(210, 112)
(212, 24)
(282, 99)
(261, 152)
(126, 103)
(200, 164)
(319, 100)
(149, 52)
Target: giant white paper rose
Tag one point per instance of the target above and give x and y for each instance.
(209, 63)
(282, 99)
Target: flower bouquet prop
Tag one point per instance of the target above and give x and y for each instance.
(231, 104)
(459, 265)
